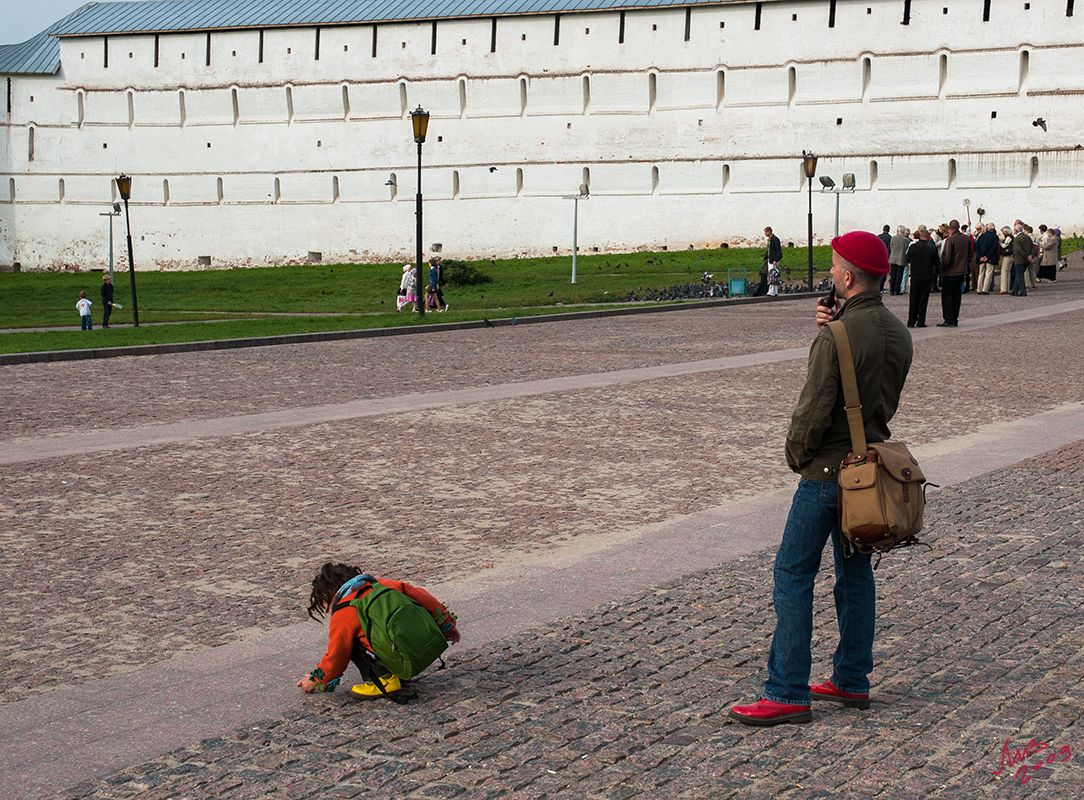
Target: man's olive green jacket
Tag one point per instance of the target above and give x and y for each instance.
(819, 438)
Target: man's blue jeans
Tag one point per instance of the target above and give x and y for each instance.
(812, 520)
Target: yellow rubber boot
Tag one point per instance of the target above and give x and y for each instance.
(391, 684)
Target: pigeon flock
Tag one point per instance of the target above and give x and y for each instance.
(707, 288)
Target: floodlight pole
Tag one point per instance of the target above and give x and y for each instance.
(113, 212)
(584, 194)
(847, 187)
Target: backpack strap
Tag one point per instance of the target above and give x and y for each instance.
(367, 579)
(851, 401)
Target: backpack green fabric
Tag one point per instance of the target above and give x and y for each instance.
(403, 635)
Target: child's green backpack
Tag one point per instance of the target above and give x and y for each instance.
(404, 636)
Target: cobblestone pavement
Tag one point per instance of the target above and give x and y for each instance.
(172, 548)
(129, 558)
(978, 650)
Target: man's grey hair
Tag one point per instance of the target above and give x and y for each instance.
(902, 229)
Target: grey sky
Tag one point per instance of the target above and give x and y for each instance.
(24, 20)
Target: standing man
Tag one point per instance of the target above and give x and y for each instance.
(955, 266)
(1023, 250)
(1032, 264)
(885, 236)
(971, 285)
(897, 258)
(107, 298)
(818, 440)
(1005, 251)
(987, 249)
(772, 256)
(923, 260)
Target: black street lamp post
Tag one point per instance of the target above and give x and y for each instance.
(124, 186)
(809, 165)
(420, 121)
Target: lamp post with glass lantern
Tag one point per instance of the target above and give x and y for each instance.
(809, 166)
(420, 120)
(124, 186)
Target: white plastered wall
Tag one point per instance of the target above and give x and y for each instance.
(687, 142)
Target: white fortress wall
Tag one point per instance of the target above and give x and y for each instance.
(270, 152)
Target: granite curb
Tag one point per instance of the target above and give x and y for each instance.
(53, 356)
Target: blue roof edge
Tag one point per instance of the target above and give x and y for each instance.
(37, 56)
(169, 16)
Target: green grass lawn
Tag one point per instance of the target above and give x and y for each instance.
(239, 303)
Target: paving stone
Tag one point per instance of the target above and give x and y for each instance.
(978, 640)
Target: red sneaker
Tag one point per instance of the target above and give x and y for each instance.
(768, 712)
(826, 691)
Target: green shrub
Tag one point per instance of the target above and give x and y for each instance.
(463, 273)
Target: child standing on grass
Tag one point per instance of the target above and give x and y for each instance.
(83, 307)
(332, 590)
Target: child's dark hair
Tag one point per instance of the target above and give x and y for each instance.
(326, 583)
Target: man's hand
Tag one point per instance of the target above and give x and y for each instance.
(826, 314)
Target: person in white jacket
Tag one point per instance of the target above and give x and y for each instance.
(83, 307)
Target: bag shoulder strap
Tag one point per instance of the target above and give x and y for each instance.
(851, 401)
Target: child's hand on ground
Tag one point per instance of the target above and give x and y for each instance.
(452, 636)
(307, 686)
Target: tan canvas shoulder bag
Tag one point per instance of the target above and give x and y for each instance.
(881, 486)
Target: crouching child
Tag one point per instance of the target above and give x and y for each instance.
(389, 629)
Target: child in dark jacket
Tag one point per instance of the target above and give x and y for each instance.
(334, 587)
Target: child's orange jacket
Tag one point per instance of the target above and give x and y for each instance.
(344, 628)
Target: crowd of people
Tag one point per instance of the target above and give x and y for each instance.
(953, 259)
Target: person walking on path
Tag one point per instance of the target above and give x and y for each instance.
(436, 280)
(408, 288)
(83, 307)
(924, 263)
(818, 440)
(956, 266)
(107, 298)
(772, 256)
